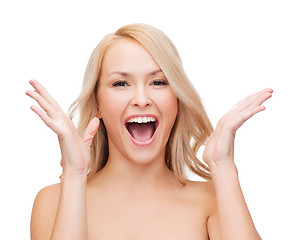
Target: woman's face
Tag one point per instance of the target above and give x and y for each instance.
(136, 103)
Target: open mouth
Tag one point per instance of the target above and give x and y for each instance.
(142, 129)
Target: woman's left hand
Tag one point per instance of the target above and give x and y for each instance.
(219, 149)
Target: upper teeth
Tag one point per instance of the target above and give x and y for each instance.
(141, 119)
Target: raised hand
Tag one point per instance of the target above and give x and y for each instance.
(75, 150)
(219, 149)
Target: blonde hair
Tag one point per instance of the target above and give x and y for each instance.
(192, 127)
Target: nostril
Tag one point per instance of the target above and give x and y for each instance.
(141, 102)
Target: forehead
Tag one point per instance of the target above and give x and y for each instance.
(128, 55)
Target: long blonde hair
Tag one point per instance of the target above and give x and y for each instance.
(192, 127)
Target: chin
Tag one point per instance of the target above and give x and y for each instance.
(145, 157)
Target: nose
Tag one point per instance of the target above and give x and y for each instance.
(141, 98)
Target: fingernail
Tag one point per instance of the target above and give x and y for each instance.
(32, 81)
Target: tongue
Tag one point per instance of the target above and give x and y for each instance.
(141, 132)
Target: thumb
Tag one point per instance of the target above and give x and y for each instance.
(90, 131)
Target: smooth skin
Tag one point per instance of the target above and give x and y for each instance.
(136, 197)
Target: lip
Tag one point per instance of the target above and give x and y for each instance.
(151, 140)
(141, 115)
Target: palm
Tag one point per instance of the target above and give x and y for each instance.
(75, 150)
(220, 146)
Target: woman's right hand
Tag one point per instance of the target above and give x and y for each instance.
(75, 150)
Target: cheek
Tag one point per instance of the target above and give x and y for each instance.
(111, 106)
(168, 105)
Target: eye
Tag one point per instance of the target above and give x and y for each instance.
(120, 84)
(159, 82)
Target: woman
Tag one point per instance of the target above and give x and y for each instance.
(141, 124)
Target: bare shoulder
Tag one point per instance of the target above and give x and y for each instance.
(44, 212)
(204, 191)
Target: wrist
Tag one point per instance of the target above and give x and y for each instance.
(224, 170)
(73, 177)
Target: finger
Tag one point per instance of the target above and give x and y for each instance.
(90, 131)
(253, 101)
(255, 108)
(45, 118)
(270, 90)
(257, 101)
(42, 91)
(248, 100)
(248, 114)
(263, 97)
(247, 108)
(41, 101)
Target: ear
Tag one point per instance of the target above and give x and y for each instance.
(98, 115)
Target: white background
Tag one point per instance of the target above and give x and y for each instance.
(230, 49)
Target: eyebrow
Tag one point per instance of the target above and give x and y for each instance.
(126, 74)
(155, 72)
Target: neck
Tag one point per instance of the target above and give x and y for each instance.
(125, 174)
